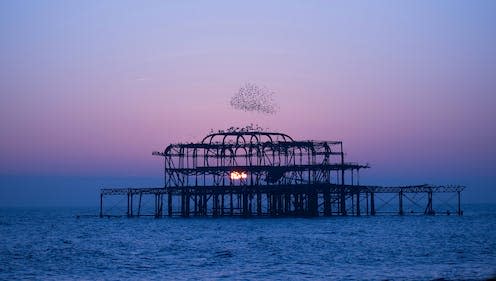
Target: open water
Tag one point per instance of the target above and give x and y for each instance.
(53, 244)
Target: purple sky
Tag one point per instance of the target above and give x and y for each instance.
(91, 88)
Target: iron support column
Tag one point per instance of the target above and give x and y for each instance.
(343, 202)
(128, 205)
(245, 203)
(327, 202)
(101, 204)
(215, 203)
(139, 204)
(372, 204)
(367, 202)
(358, 203)
(169, 203)
(400, 199)
(429, 210)
(459, 211)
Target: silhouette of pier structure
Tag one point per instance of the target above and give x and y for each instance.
(253, 173)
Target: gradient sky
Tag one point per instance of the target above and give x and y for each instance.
(88, 89)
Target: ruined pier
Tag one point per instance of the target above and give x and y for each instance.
(268, 174)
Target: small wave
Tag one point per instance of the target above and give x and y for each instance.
(224, 254)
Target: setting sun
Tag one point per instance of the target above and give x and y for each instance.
(238, 175)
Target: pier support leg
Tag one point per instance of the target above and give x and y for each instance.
(287, 203)
(342, 203)
(250, 203)
(156, 206)
(182, 203)
(358, 203)
(222, 203)
(400, 200)
(187, 201)
(327, 203)
(205, 204)
(129, 204)
(169, 204)
(200, 203)
(131, 197)
(231, 211)
(352, 203)
(195, 205)
(215, 203)
(245, 204)
(271, 204)
(295, 203)
(459, 211)
(101, 204)
(367, 202)
(313, 210)
(429, 209)
(139, 204)
(372, 204)
(161, 202)
(259, 204)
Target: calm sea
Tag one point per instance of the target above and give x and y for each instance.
(54, 244)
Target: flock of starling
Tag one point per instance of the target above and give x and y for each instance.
(253, 98)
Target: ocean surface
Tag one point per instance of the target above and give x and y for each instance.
(53, 244)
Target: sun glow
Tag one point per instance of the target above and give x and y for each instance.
(238, 175)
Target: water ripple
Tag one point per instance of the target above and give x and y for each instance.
(52, 245)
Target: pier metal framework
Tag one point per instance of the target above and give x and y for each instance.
(254, 173)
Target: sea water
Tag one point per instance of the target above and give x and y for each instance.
(56, 244)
